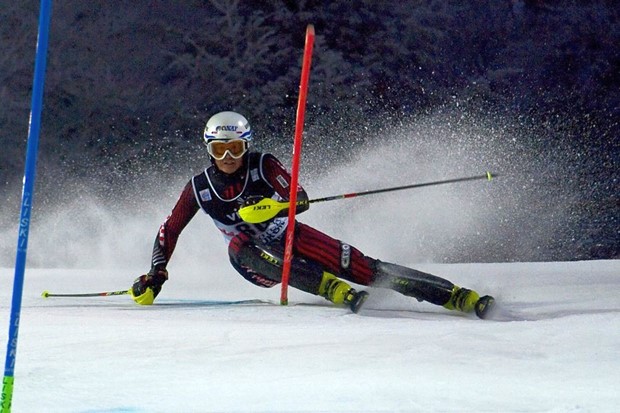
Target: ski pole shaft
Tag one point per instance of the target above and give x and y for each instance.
(268, 208)
(487, 176)
(47, 294)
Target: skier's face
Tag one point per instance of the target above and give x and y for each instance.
(229, 165)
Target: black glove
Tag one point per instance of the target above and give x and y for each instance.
(146, 287)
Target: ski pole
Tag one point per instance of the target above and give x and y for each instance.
(268, 208)
(47, 294)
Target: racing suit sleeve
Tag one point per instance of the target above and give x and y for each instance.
(279, 178)
(168, 234)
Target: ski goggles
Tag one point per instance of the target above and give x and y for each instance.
(234, 147)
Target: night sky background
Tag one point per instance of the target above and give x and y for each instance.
(129, 86)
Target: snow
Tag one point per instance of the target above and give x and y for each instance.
(553, 345)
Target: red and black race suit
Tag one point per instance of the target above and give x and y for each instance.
(220, 195)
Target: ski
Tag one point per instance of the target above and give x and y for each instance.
(171, 302)
(484, 306)
(359, 300)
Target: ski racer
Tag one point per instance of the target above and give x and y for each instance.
(239, 177)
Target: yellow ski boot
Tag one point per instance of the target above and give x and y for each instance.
(339, 292)
(467, 301)
(462, 299)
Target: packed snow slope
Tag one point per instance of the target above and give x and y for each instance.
(552, 347)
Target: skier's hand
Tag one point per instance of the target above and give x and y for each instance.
(252, 200)
(146, 287)
(302, 205)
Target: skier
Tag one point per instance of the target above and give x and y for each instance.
(239, 177)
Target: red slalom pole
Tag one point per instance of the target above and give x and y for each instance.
(299, 128)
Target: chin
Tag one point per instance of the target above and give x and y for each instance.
(228, 169)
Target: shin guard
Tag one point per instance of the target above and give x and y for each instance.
(268, 261)
(413, 283)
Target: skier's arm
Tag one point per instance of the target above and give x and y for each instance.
(279, 178)
(147, 286)
(168, 234)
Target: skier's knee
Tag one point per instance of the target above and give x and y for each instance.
(245, 253)
(268, 260)
(253, 276)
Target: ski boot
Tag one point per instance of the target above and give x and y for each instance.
(468, 301)
(339, 292)
(462, 299)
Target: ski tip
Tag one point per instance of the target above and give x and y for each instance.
(45, 294)
(484, 307)
(358, 302)
(489, 176)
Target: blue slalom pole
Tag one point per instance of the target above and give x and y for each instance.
(27, 199)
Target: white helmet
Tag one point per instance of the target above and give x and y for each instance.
(226, 126)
